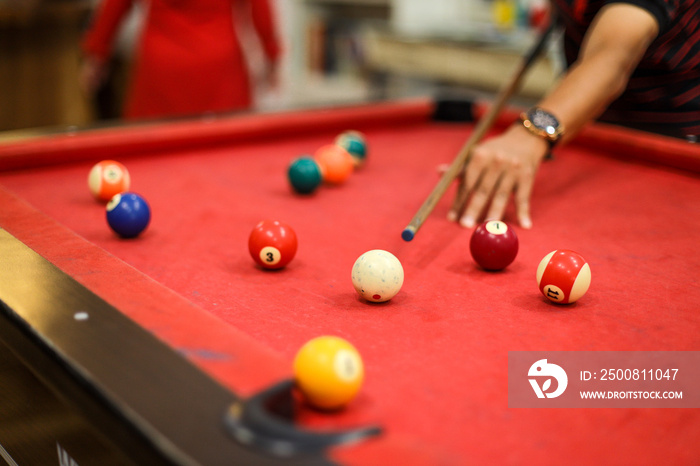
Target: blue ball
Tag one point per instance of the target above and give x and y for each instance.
(304, 175)
(128, 214)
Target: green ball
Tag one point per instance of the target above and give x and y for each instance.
(353, 142)
(304, 175)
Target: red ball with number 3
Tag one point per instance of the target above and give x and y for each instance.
(272, 244)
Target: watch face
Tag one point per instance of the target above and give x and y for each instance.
(544, 121)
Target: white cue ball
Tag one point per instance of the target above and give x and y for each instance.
(377, 275)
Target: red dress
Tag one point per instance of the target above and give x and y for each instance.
(189, 59)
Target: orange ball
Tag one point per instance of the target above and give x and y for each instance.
(336, 163)
(108, 178)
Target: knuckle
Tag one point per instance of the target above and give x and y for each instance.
(483, 190)
(480, 154)
(515, 164)
(501, 196)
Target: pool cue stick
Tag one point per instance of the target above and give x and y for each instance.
(482, 127)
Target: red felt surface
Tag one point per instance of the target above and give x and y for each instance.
(435, 355)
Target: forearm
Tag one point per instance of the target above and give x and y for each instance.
(607, 60)
(97, 42)
(264, 23)
(585, 92)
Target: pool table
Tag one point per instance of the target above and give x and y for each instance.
(177, 342)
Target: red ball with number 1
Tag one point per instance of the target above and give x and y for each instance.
(563, 276)
(494, 245)
(272, 244)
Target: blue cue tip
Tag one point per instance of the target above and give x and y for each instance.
(408, 234)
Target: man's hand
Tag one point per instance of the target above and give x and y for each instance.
(499, 167)
(505, 165)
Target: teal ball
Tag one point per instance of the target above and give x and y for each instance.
(354, 142)
(304, 175)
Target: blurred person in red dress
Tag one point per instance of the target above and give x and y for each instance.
(188, 59)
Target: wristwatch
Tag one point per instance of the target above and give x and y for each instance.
(543, 124)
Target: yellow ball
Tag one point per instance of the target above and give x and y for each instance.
(328, 372)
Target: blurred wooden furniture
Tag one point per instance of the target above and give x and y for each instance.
(479, 66)
(39, 63)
